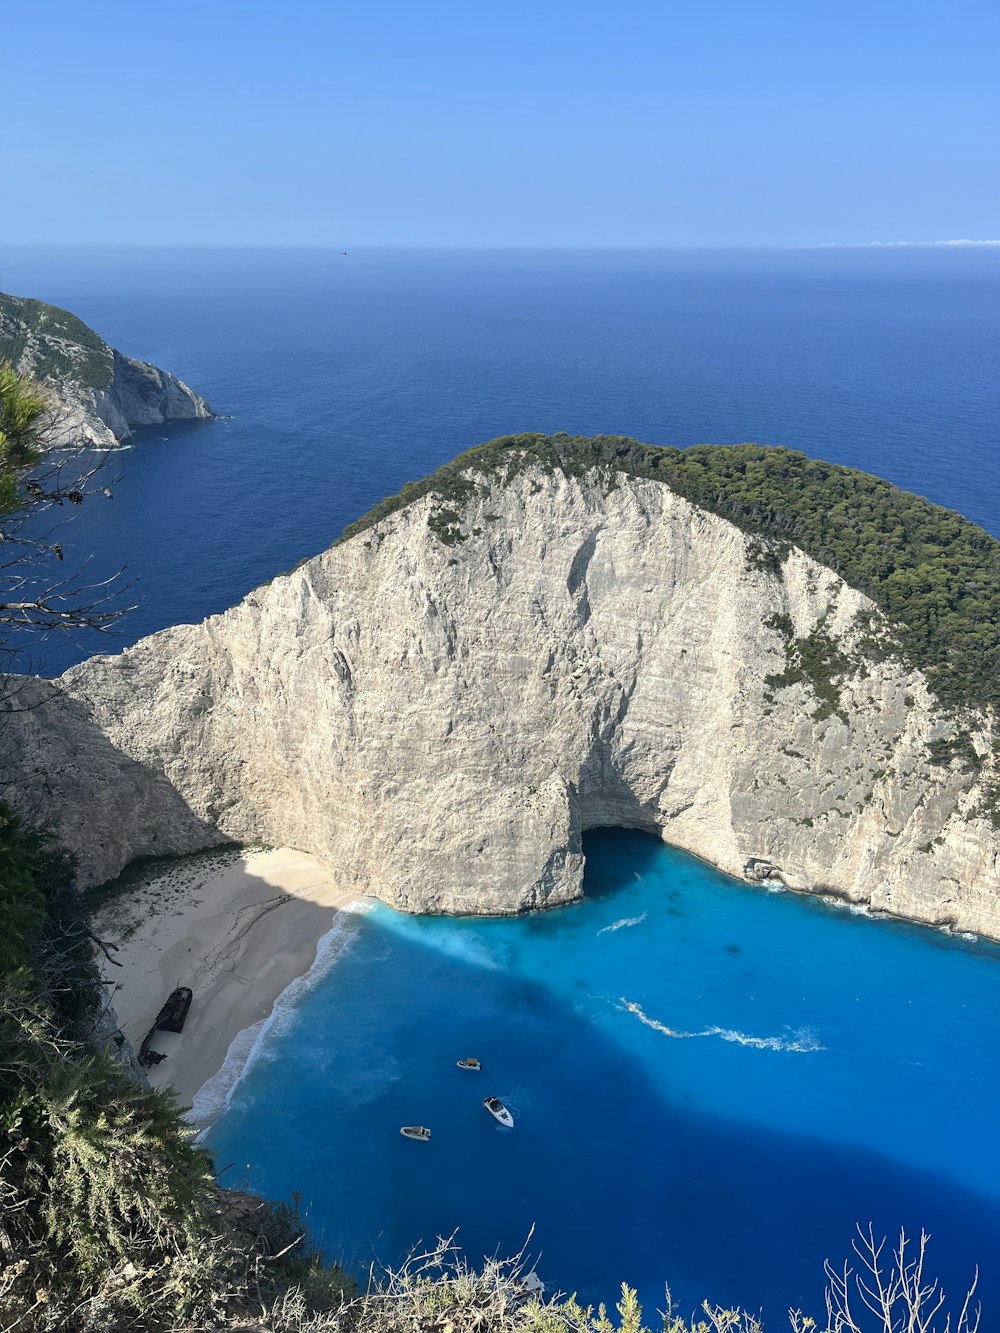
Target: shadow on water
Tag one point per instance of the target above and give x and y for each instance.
(605, 847)
(173, 432)
(603, 878)
(621, 1182)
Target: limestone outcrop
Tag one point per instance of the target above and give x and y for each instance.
(96, 394)
(439, 713)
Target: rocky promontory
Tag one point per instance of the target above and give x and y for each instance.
(443, 702)
(96, 394)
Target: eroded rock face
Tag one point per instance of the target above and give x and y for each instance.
(107, 1036)
(96, 394)
(441, 722)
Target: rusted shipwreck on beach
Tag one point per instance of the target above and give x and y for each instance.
(171, 1018)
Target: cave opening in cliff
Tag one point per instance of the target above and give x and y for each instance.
(615, 854)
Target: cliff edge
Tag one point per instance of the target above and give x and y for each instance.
(440, 705)
(96, 393)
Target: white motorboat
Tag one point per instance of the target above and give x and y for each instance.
(418, 1132)
(498, 1111)
(470, 1063)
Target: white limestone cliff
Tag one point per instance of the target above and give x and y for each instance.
(95, 393)
(440, 723)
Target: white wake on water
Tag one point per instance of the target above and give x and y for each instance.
(213, 1098)
(625, 921)
(802, 1040)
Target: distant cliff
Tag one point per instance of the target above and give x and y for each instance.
(96, 393)
(529, 645)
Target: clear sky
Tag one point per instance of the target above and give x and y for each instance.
(516, 122)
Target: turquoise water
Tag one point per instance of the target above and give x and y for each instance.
(712, 1084)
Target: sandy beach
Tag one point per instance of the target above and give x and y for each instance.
(237, 927)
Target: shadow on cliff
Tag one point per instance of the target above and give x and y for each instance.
(58, 768)
(600, 880)
(622, 1182)
(174, 431)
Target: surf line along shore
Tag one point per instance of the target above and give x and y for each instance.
(238, 927)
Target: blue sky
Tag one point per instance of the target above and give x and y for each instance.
(462, 122)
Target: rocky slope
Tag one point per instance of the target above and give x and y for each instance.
(96, 393)
(441, 711)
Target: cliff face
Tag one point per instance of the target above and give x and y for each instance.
(96, 393)
(440, 720)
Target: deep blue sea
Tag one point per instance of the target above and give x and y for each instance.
(344, 378)
(712, 1083)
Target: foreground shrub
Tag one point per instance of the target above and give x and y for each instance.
(438, 1292)
(110, 1216)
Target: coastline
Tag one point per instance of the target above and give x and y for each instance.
(249, 932)
(241, 928)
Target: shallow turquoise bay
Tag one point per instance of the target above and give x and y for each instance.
(712, 1084)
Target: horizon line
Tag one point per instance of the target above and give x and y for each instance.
(956, 243)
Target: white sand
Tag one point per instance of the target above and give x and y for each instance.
(238, 928)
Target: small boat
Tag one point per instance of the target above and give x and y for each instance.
(171, 1017)
(470, 1063)
(498, 1111)
(419, 1132)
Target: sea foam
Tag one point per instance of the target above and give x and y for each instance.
(802, 1040)
(624, 922)
(213, 1098)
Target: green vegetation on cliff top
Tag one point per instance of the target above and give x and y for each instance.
(61, 346)
(934, 575)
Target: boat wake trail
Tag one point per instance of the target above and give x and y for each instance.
(802, 1040)
(625, 921)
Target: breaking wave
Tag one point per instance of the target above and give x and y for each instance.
(803, 1040)
(247, 1047)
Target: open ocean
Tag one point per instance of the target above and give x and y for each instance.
(712, 1083)
(346, 377)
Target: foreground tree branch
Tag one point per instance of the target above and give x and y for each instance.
(34, 599)
(891, 1292)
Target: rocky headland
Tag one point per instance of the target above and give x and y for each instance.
(96, 394)
(541, 639)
